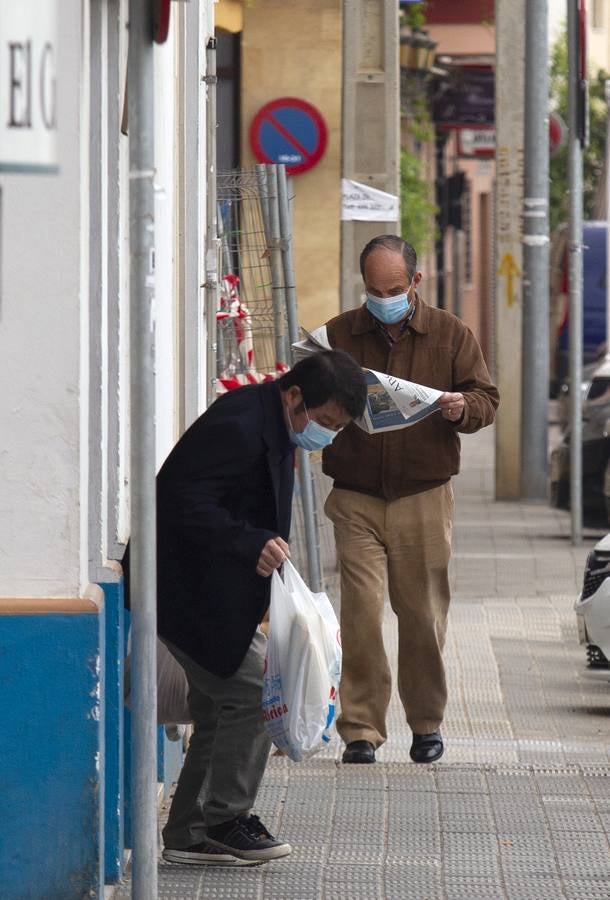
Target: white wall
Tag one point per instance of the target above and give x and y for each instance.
(64, 298)
(165, 223)
(40, 291)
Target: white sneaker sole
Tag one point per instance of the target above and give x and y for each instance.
(252, 856)
(207, 859)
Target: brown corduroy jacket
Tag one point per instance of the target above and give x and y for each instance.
(435, 349)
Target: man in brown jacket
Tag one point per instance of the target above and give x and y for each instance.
(392, 502)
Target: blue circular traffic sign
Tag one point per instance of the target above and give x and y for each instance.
(291, 132)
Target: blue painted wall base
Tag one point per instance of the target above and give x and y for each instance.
(114, 841)
(51, 752)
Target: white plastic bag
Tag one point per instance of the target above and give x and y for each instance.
(172, 688)
(303, 667)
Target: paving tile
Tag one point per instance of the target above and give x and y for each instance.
(519, 806)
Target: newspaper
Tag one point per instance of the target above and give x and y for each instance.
(314, 341)
(392, 403)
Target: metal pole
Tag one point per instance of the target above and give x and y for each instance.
(211, 222)
(575, 276)
(535, 323)
(441, 203)
(263, 193)
(287, 261)
(312, 541)
(456, 286)
(143, 505)
(226, 269)
(282, 353)
(456, 280)
(607, 91)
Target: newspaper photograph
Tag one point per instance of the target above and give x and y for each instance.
(392, 402)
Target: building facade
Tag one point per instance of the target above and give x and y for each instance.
(64, 410)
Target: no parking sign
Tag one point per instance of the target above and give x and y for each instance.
(291, 132)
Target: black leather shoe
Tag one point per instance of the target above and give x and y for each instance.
(427, 748)
(359, 752)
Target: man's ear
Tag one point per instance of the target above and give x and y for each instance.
(295, 396)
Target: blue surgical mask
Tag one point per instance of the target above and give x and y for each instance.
(313, 436)
(389, 310)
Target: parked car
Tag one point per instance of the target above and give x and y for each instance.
(563, 396)
(594, 299)
(595, 451)
(593, 606)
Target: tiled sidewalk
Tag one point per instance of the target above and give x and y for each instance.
(519, 807)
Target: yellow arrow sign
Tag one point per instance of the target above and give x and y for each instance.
(509, 268)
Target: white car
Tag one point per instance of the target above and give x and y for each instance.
(593, 606)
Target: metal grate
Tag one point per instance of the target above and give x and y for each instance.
(593, 581)
(251, 335)
(596, 571)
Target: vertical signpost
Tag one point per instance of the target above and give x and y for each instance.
(577, 138)
(607, 93)
(535, 388)
(143, 585)
(510, 66)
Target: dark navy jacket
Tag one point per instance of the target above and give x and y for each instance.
(222, 493)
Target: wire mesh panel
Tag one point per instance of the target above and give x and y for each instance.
(258, 302)
(252, 325)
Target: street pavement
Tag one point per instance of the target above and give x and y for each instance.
(519, 806)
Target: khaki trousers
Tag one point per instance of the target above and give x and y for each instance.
(406, 543)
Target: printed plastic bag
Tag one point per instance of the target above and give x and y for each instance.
(303, 667)
(172, 688)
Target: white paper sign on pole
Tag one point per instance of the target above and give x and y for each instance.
(366, 204)
(28, 90)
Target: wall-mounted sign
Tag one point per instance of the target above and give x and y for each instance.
(364, 203)
(28, 90)
(291, 132)
(476, 142)
(465, 97)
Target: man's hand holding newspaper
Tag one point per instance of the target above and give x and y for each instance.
(391, 403)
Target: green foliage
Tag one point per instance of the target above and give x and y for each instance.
(413, 16)
(593, 155)
(415, 108)
(417, 211)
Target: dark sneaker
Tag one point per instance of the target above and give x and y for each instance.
(205, 854)
(247, 838)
